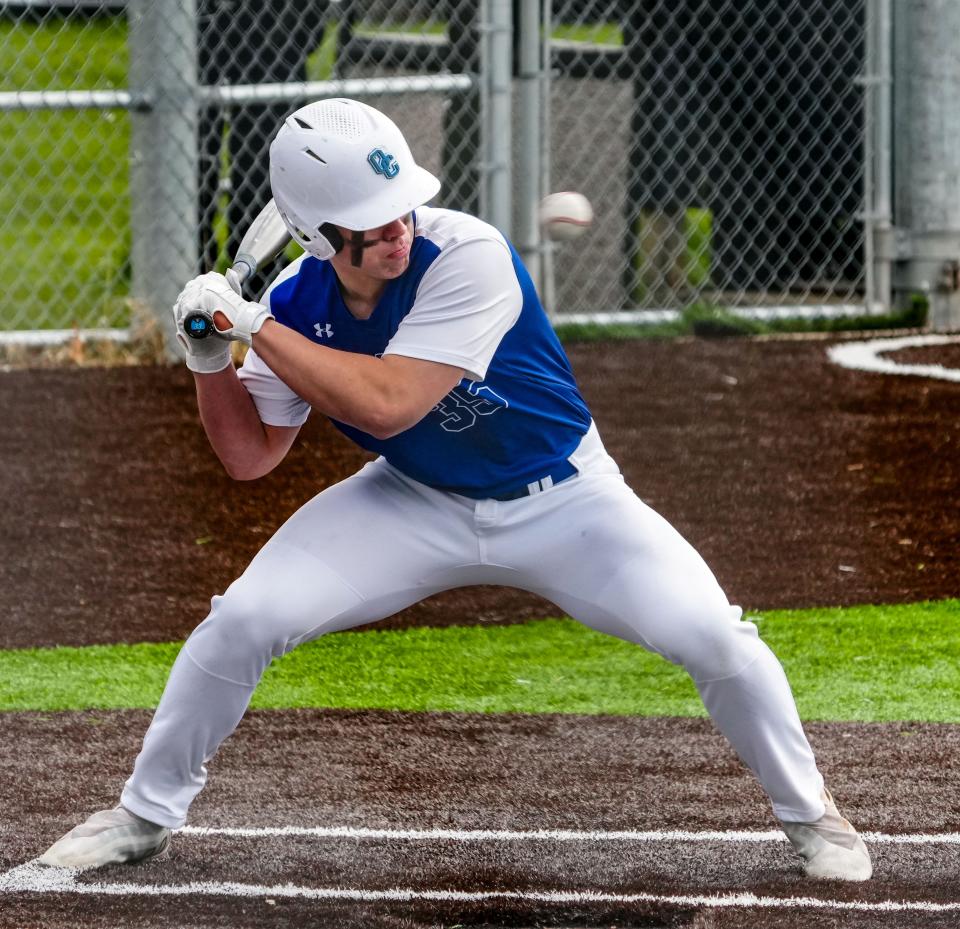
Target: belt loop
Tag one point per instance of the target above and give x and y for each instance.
(485, 512)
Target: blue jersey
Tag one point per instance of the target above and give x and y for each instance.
(510, 427)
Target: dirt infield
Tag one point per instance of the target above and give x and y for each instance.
(802, 483)
(393, 771)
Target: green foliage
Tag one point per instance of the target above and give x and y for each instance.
(864, 663)
(322, 60)
(698, 233)
(571, 333)
(670, 245)
(709, 321)
(704, 319)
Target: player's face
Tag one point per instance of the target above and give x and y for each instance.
(381, 253)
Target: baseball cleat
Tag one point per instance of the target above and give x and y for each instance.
(830, 847)
(109, 837)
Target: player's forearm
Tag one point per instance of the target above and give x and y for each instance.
(233, 425)
(352, 388)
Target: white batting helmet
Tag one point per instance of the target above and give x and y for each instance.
(342, 163)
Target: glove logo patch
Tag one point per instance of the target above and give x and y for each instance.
(198, 325)
(383, 163)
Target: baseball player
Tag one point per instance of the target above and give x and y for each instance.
(419, 333)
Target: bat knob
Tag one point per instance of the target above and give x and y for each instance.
(198, 325)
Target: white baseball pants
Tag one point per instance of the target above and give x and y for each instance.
(379, 541)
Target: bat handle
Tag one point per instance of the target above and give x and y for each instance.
(244, 266)
(198, 325)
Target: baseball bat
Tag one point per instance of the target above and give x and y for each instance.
(265, 238)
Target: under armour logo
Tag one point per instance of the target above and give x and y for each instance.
(383, 163)
(323, 330)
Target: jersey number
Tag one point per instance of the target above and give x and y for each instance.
(460, 408)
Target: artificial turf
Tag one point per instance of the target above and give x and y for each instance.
(870, 663)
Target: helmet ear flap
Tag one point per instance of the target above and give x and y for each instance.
(322, 244)
(332, 235)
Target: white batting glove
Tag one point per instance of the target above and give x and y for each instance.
(233, 279)
(212, 293)
(204, 356)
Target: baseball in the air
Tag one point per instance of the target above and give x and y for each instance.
(565, 215)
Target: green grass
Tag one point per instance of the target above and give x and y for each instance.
(591, 33)
(64, 177)
(864, 663)
(601, 33)
(873, 663)
(64, 241)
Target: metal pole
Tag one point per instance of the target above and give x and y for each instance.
(163, 156)
(927, 155)
(224, 94)
(498, 75)
(547, 285)
(869, 193)
(529, 125)
(869, 150)
(878, 158)
(883, 179)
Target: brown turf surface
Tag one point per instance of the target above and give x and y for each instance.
(800, 482)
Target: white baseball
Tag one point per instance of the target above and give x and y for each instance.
(565, 215)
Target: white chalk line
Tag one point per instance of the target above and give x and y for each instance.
(866, 356)
(543, 835)
(34, 877)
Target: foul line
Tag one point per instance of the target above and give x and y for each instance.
(865, 356)
(34, 877)
(546, 835)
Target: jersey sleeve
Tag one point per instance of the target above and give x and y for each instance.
(468, 299)
(276, 403)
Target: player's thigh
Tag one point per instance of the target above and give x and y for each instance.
(613, 563)
(361, 550)
(381, 532)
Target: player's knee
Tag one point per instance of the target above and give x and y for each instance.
(712, 644)
(237, 640)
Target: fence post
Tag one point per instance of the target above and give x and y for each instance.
(878, 157)
(497, 81)
(163, 156)
(927, 155)
(529, 125)
(548, 289)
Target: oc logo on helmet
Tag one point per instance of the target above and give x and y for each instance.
(383, 163)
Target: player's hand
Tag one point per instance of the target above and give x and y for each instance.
(204, 356)
(213, 294)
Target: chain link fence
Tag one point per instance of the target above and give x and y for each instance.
(720, 142)
(64, 192)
